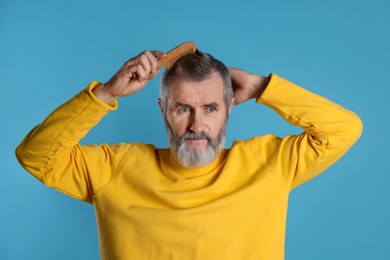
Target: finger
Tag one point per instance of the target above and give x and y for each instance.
(141, 73)
(151, 76)
(131, 61)
(130, 71)
(157, 54)
(145, 63)
(152, 61)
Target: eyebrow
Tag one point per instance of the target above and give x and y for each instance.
(179, 104)
(213, 104)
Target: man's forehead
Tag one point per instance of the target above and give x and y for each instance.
(209, 89)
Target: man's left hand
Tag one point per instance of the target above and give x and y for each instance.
(246, 85)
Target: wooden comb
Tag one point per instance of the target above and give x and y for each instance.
(175, 54)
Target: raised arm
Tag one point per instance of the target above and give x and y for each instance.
(51, 151)
(329, 129)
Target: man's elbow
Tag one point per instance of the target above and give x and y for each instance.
(355, 128)
(20, 154)
(23, 157)
(349, 132)
(29, 161)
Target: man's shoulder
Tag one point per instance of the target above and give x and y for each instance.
(132, 147)
(256, 140)
(143, 147)
(147, 149)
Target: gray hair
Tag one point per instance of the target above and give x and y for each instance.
(196, 66)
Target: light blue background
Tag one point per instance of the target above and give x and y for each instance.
(50, 50)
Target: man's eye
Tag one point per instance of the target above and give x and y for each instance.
(184, 109)
(210, 109)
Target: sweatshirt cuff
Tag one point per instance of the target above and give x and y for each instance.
(94, 84)
(277, 90)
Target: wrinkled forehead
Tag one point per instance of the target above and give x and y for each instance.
(209, 89)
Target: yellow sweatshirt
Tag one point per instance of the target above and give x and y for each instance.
(149, 207)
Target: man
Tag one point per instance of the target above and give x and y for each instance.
(195, 199)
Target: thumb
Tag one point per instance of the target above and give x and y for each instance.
(158, 54)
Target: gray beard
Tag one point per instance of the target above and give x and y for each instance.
(192, 158)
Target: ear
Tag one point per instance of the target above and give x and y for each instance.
(160, 105)
(231, 104)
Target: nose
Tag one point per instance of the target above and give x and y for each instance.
(196, 122)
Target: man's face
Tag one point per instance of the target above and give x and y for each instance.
(195, 119)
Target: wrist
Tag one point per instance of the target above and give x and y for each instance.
(101, 93)
(259, 84)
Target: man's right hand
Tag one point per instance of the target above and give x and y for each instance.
(131, 78)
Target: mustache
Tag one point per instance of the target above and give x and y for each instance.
(191, 135)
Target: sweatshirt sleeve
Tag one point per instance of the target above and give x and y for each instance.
(51, 151)
(329, 131)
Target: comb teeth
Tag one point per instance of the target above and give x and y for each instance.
(175, 54)
(173, 60)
